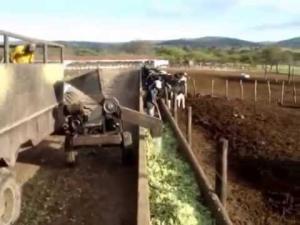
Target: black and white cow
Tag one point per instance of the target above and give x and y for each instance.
(177, 86)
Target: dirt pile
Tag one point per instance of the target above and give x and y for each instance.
(264, 145)
(258, 132)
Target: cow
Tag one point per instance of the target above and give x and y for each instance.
(177, 86)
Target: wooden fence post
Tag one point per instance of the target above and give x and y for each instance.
(212, 87)
(169, 104)
(194, 87)
(166, 95)
(221, 170)
(293, 73)
(269, 92)
(175, 108)
(189, 125)
(226, 89)
(295, 94)
(255, 91)
(282, 93)
(242, 89)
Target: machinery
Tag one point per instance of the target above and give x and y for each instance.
(34, 104)
(92, 124)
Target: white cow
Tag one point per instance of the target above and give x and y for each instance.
(245, 76)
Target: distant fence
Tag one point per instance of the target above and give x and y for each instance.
(263, 91)
(100, 65)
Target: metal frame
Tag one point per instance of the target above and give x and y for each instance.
(92, 140)
(44, 44)
(35, 98)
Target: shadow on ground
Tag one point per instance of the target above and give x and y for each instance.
(99, 190)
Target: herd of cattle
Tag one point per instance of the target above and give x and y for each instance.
(161, 84)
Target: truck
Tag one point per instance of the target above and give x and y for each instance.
(34, 103)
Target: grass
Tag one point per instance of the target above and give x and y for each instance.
(174, 193)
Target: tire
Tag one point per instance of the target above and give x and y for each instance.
(10, 198)
(71, 158)
(71, 155)
(127, 150)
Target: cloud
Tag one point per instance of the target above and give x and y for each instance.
(184, 7)
(187, 8)
(106, 30)
(277, 26)
(286, 6)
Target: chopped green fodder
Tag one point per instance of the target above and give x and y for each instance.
(174, 194)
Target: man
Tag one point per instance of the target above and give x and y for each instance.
(23, 54)
(151, 97)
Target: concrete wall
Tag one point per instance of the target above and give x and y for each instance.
(124, 85)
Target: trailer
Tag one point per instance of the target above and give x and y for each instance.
(33, 106)
(29, 98)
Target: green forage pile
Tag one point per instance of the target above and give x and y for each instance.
(174, 194)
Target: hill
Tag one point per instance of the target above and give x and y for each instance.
(290, 43)
(145, 47)
(208, 42)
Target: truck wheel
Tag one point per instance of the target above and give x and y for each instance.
(127, 151)
(71, 158)
(71, 155)
(10, 198)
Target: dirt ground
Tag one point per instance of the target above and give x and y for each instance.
(264, 154)
(100, 190)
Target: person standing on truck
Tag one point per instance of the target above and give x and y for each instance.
(151, 97)
(23, 54)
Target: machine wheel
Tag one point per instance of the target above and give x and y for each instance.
(127, 150)
(71, 156)
(10, 198)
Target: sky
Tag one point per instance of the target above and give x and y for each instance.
(125, 20)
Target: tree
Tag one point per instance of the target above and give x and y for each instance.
(176, 55)
(287, 58)
(138, 47)
(271, 56)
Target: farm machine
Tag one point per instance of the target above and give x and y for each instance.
(36, 101)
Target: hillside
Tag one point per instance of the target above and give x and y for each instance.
(87, 44)
(207, 42)
(290, 43)
(143, 47)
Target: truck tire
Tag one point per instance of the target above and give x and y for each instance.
(10, 198)
(127, 150)
(71, 155)
(71, 158)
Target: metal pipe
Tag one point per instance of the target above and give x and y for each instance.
(45, 53)
(33, 40)
(6, 49)
(62, 55)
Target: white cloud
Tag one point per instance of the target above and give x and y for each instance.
(290, 6)
(93, 29)
(167, 21)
